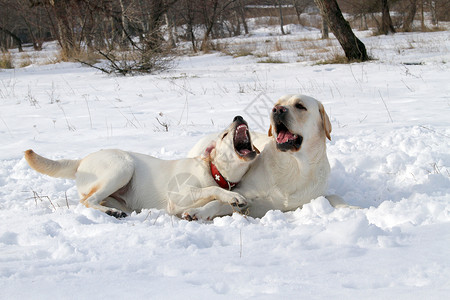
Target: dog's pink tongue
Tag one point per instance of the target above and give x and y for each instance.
(244, 151)
(284, 137)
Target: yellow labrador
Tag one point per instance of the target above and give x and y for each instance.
(118, 182)
(293, 167)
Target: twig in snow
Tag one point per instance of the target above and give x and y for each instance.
(36, 196)
(392, 121)
(33, 101)
(70, 127)
(163, 124)
(67, 200)
(424, 127)
(89, 111)
(9, 131)
(159, 213)
(146, 217)
(185, 107)
(240, 243)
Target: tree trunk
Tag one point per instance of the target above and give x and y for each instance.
(241, 13)
(14, 37)
(386, 21)
(354, 49)
(204, 47)
(37, 44)
(192, 37)
(65, 35)
(422, 14)
(212, 11)
(364, 22)
(170, 29)
(281, 17)
(124, 25)
(325, 34)
(209, 22)
(154, 35)
(189, 12)
(410, 14)
(297, 11)
(434, 19)
(234, 29)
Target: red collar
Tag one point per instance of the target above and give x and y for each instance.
(220, 180)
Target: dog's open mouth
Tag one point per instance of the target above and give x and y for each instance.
(286, 140)
(242, 142)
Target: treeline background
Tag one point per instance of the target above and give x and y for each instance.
(157, 25)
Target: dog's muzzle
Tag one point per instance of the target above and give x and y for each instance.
(242, 140)
(285, 139)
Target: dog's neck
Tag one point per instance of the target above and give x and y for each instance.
(219, 179)
(231, 168)
(298, 164)
(311, 174)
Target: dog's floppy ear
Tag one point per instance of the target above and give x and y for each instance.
(270, 131)
(208, 150)
(325, 121)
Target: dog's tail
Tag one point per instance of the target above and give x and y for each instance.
(56, 168)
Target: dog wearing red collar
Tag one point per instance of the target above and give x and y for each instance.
(118, 182)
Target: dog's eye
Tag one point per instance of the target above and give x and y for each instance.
(224, 135)
(300, 106)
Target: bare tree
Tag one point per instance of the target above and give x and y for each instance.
(66, 36)
(422, 15)
(240, 8)
(23, 24)
(361, 9)
(411, 9)
(386, 21)
(16, 39)
(211, 12)
(433, 7)
(280, 9)
(324, 29)
(354, 49)
(300, 6)
(185, 11)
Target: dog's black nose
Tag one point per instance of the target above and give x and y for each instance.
(279, 110)
(238, 118)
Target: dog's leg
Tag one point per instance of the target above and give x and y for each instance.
(103, 175)
(102, 193)
(97, 197)
(209, 211)
(217, 193)
(200, 197)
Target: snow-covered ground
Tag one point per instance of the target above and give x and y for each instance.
(390, 154)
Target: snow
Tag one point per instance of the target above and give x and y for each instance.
(389, 154)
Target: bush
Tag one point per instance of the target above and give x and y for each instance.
(137, 60)
(6, 61)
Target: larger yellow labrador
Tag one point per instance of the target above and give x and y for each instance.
(293, 167)
(117, 182)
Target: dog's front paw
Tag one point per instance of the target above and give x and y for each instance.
(116, 214)
(195, 214)
(189, 215)
(238, 200)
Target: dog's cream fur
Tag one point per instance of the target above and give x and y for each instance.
(116, 181)
(284, 177)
